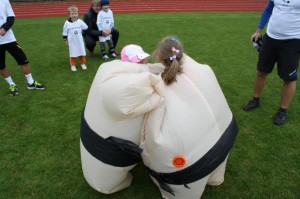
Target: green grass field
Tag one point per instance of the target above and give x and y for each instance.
(39, 130)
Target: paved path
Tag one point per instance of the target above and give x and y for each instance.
(33, 10)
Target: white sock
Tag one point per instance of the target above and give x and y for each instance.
(29, 79)
(9, 81)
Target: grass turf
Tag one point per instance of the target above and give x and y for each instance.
(39, 130)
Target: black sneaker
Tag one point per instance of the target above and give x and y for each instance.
(36, 85)
(13, 90)
(252, 104)
(279, 118)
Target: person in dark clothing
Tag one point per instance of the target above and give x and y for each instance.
(91, 35)
(281, 48)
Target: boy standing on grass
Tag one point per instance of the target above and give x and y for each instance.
(8, 43)
(72, 35)
(105, 23)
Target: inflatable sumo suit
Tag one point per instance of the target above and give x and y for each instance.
(119, 97)
(187, 139)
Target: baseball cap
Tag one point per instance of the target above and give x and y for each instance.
(133, 53)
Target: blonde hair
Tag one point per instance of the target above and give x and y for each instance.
(72, 9)
(96, 2)
(169, 52)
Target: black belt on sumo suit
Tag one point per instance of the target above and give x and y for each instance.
(121, 153)
(112, 150)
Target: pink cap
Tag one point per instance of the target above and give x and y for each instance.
(133, 53)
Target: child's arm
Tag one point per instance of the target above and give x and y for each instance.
(65, 38)
(7, 25)
(65, 33)
(10, 19)
(99, 22)
(101, 26)
(83, 25)
(112, 23)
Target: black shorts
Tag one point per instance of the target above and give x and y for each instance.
(286, 53)
(15, 50)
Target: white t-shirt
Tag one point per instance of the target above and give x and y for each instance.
(73, 30)
(6, 11)
(285, 20)
(105, 20)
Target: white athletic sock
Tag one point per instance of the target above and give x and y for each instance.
(29, 79)
(9, 81)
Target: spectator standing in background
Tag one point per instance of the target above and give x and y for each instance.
(8, 43)
(281, 45)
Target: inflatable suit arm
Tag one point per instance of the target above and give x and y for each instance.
(125, 90)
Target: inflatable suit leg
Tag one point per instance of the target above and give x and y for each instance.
(217, 176)
(102, 177)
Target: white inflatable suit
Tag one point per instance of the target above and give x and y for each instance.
(119, 97)
(187, 139)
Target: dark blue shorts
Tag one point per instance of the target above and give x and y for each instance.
(286, 53)
(15, 50)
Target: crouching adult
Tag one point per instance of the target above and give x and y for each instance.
(91, 35)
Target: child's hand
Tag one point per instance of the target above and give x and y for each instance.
(105, 33)
(2, 31)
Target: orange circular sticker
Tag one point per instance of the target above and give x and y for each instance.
(179, 161)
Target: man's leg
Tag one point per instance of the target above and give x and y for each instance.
(12, 86)
(90, 43)
(259, 84)
(32, 84)
(5, 73)
(115, 38)
(25, 69)
(287, 94)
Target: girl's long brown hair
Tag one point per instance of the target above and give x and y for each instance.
(169, 52)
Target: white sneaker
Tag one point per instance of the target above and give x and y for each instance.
(105, 57)
(73, 68)
(83, 66)
(113, 55)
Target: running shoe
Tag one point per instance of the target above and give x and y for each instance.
(279, 118)
(36, 85)
(13, 90)
(252, 104)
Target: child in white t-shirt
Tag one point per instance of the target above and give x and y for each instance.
(9, 43)
(105, 23)
(72, 35)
